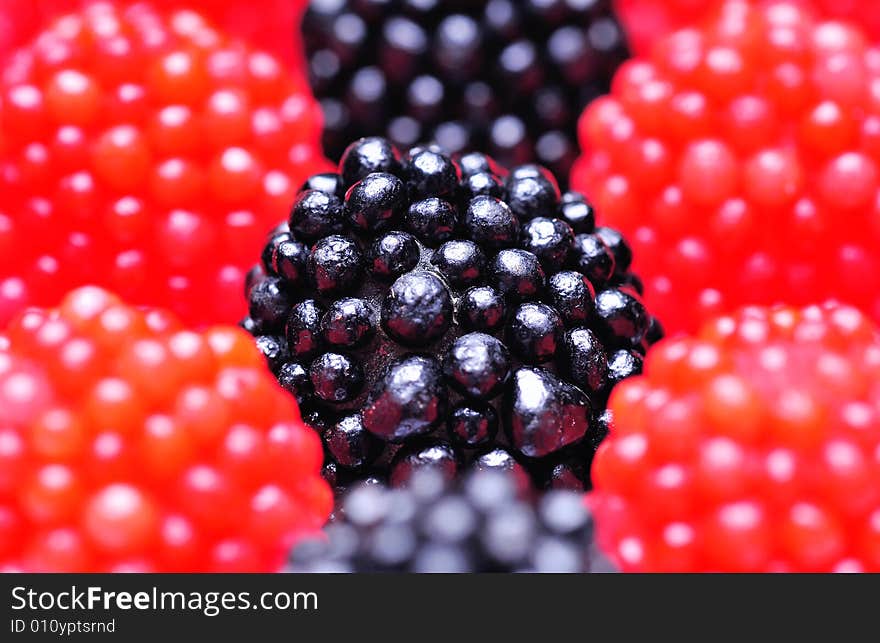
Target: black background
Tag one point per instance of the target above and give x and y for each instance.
(545, 608)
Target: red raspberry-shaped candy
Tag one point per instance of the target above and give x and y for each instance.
(130, 443)
(274, 24)
(647, 21)
(148, 153)
(752, 446)
(742, 161)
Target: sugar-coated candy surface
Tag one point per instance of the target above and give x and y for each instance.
(128, 443)
(427, 310)
(507, 77)
(741, 161)
(751, 446)
(147, 152)
(482, 523)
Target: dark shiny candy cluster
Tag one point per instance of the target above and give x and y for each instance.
(483, 522)
(506, 76)
(422, 325)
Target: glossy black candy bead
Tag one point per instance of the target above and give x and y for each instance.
(491, 223)
(366, 91)
(472, 425)
(572, 295)
(417, 309)
(372, 203)
(630, 281)
(569, 49)
(408, 399)
(274, 349)
(432, 220)
(534, 333)
(478, 163)
(552, 107)
(619, 248)
(555, 149)
(254, 276)
(578, 213)
(409, 461)
(585, 359)
(548, 239)
(509, 139)
(274, 240)
(428, 173)
(553, 11)
(531, 171)
(477, 365)
(316, 214)
(462, 263)
(327, 182)
(350, 444)
(483, 309)
(543, 413)
(347, 323)
(294, 378)
(480, 184)
(424, 99)
(335, 264)
(269, 301)
(532, 192)
(336, 377)
(458, 46)
(500, 459)
(303, 330)
(289, 260)
(601, 428)
(622, 319)
(250, 326)
(368, 155)
(655, 332)
(593, 258)
(572, 474)
(623, 364)
(392, 254)
(518, 275)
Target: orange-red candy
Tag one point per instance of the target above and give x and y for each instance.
(124, 438)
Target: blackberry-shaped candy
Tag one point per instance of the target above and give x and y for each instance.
(421, 324)
(481, 523)
(508, 76)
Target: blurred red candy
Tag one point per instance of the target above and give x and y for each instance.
(647, 21)
(272, 24)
